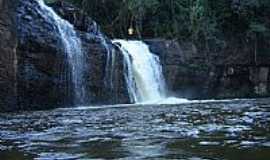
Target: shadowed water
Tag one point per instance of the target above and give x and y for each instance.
(229, 130)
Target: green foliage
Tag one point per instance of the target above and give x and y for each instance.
(197, 20)
(50, 1)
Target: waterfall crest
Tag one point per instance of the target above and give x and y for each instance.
(73, 49)
(144, 76)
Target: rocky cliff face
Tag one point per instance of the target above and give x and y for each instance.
(44, 73)
(8, 63)
(44, 77)
(105, 77)
(35, 73)
(230, 73)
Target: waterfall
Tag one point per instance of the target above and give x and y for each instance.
(73, 49)
(144, 74)
(110, 62)
(128, 73)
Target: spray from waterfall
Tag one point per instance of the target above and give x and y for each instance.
(73, 49)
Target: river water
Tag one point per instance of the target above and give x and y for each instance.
(226, 130)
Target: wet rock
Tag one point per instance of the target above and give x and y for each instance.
(106, 82)
(43, 76)
(8, 63)
(35, 73)
(76, 16)
(105, 75)
(181, 75)
(44, 72)
(259, 78)
(192, 73)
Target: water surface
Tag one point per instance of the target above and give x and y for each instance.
(227, 130)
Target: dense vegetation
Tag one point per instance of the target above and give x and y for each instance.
(209, 21)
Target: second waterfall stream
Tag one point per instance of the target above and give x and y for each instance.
(144, 75)
(72, 46)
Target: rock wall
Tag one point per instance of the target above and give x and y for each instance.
(8, 63)
(105, 77)
(105, 81)
(44, 76)
(183, 76)
(34, 70)
(191, 74)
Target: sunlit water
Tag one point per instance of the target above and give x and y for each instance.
(225, 130)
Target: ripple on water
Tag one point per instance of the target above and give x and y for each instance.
(248, 143)
(155, 132)
(207, 143)
(266, 144)
(58, 156)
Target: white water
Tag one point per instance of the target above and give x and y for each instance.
(73, 50)
(144, 76)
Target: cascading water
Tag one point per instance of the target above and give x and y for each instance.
(73, 49)
(129, 76)
(144, 75)
(110, 62)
